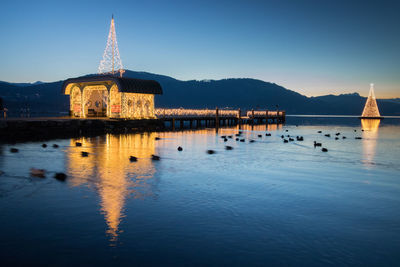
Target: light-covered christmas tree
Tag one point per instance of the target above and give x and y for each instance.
(371, 108)
(111, 62)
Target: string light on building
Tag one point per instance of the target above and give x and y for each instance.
(111, 62)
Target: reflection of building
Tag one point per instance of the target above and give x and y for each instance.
(109, 171)
(111, 96)
(370, 136)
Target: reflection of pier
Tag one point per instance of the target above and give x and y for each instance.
(217, 117)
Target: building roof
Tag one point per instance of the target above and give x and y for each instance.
(126, 85)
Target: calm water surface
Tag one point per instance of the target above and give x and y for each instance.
(262, 203)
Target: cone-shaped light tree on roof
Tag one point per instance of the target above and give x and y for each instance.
(111, 62)
(371, 108)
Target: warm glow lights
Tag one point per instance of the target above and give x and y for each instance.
(371, 108)
(193, 113)
(76, 102)
(139, 106)
(111, 62)
(262, 113)
(95, 101)
(109, 171)
(370, 136)
(371, 125)
(165, 113)
(99, 101)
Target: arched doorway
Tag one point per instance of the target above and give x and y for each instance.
(95, 100)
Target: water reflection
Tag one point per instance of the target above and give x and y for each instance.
(109, 171)
(370, 137)
(259, 127)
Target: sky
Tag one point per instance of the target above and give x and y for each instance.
(312, 47)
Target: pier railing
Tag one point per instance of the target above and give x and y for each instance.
(221, 113)
(216, 117)
(195, 113)
(264, 113)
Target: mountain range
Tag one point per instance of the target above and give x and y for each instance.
(245, 93)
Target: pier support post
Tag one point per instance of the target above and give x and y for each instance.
(216, 118)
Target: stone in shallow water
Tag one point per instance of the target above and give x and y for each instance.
(155, 157)
(60, 176)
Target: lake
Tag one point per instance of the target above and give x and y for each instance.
(262, 203)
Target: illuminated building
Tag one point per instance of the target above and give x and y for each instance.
(111, 96)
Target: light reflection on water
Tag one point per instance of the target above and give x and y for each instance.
(115, 178)
(109, 171)
(262, 202)
(370, 136)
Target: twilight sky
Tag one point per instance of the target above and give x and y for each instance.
(312, 47)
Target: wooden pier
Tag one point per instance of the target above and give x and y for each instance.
(30, 129)
(197, 118)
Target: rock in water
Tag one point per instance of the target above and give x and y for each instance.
(41, 173)
(60, 176)
(155, 157)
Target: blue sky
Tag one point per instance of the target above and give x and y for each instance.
(313, 47)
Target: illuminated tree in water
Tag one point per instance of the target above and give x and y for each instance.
(371, 108)
(111, 62)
